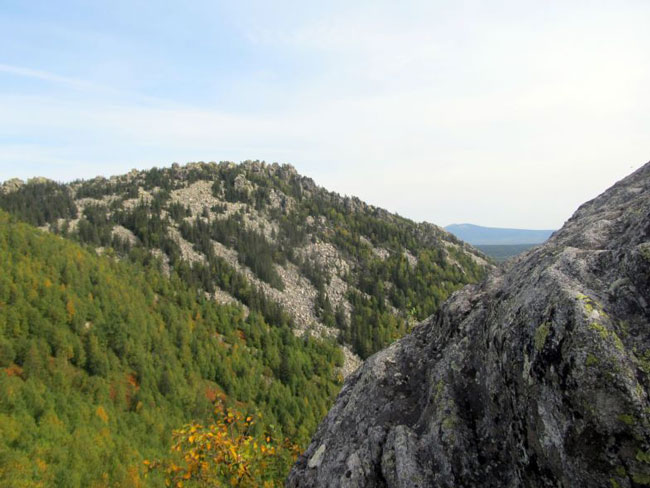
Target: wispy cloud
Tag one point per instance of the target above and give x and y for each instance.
(47, 76)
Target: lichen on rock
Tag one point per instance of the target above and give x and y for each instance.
(539, 376)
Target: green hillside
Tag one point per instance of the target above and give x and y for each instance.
(101, 358)
(266, 237)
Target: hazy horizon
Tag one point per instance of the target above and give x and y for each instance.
(505, 115)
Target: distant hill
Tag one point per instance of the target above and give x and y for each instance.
(481, 236)
(501, 252)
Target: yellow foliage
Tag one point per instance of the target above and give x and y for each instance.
(227, 453)
(134, 477)
(41, 465)
(69, 307)
(101, 413)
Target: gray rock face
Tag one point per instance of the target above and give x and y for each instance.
(11, 185)
(536, 377)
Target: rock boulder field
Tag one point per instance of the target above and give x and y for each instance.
(536, 377)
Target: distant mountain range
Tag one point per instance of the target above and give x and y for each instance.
(479, 236)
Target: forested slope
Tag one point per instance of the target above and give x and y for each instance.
(101, 358)
(266, 237)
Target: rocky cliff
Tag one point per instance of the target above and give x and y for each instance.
(536, 377)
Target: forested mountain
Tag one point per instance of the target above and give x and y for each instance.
(187, 285)
(101, 358)
(266, 237)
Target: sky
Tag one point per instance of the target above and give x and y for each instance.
(499, 113)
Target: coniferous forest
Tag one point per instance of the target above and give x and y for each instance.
(101, 359)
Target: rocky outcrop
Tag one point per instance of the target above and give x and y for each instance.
(11, 185)
(536, 377)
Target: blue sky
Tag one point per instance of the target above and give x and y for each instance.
(503, 113)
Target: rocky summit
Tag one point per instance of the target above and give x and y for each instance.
(536, 377)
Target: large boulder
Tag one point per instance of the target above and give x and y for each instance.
(536, 377)
(11, 185)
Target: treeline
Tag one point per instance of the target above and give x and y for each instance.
(100, 359)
